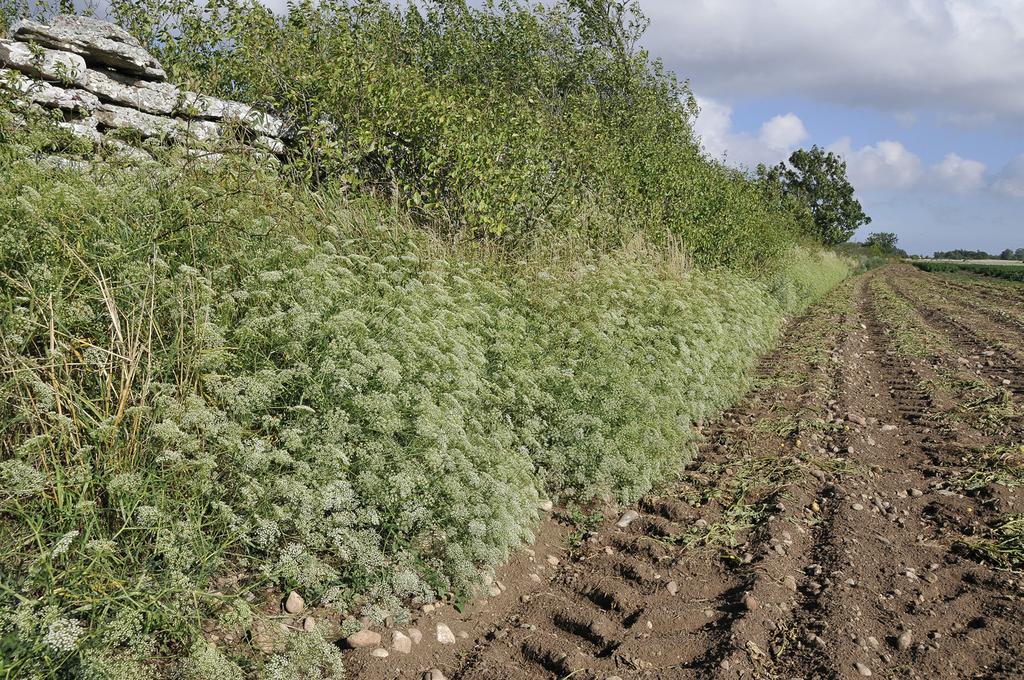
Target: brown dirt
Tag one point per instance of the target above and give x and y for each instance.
(823, 518)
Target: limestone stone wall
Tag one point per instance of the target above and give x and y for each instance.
(102, 79)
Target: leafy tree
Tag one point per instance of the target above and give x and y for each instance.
(883, 240)
(817, 179)
(1019, 254)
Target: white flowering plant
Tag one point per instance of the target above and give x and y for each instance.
(210, 373)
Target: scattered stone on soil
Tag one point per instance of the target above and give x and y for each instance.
(862, 669)
(627, 518)
(434, 674)
(905, 640)
(363, 638)
(309, 624)
(445, 635)
(672, 587)
(401, 643)
(750, 603)
(416, 635)
(380, 653)
(294, 604)
(546, 505)
(857, 419)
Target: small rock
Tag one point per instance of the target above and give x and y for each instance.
(380, 653)
(494, 591)
(309, 624)
(462, 635)
(552, 560)
(415, 635)
(751, 603)
(627, 518)
(724, 664)
(546, 505)
(445, 635)
(294, 604)
(873, 642)
(363, 638)
(857, 506)
(790, 582)
(862, 669)
(888, 428)
(815, 640)
(401, 643)
(916, 493)
(434, 674)
(427, 608)
(535, 578)
(672, 587)
(857, 419)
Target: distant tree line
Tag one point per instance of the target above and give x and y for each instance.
(960, 254)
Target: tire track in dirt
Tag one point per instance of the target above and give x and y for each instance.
(614, 611)
(997, 352)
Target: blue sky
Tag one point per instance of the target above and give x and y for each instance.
(923, 98)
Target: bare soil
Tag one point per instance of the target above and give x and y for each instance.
(832, 525)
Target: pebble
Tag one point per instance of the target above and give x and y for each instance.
(380, 653)
(445, 635)
(857, 419)
(494, 591)
(888, 428)
(552, 560)
(815, 640)
(363, 638)
(858, 507)
(627, 518)
(535, 578)
(790, 582)
(415, 635)
(916, 493)
(427, 608)
(294, 604)
(433, 674)
(308, 624)
(862, 669)
(751, 603)
(400, 642)
(546, 505)
(672, 587)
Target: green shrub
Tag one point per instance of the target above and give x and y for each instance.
(502, 122)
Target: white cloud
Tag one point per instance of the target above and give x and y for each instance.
(1011, 179)
(959, 175)
(963, 57)
(774, 142)
(885, 165)
(783, 132)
